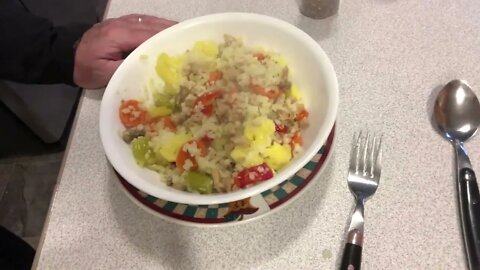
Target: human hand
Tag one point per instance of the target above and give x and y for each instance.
(102, 47)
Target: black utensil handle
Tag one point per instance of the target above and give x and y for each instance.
(352, 257)
(470, 212)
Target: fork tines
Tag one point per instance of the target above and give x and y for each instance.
(366, 154)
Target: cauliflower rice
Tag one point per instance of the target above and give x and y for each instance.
(226, 117)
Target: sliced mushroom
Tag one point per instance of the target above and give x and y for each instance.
(284, 74)
(130, 134)
(284, 85)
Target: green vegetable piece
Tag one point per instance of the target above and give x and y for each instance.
(176, 107)
(142, 152)
(160, 160)
(163, 100)
(199, 182)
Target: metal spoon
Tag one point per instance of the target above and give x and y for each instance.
(457, 116)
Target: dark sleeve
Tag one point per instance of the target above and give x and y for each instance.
(32, 50)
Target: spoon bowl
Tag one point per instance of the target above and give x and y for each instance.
(457, 111)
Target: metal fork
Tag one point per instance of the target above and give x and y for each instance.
(363, 178)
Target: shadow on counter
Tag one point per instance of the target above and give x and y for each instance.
(183, 247)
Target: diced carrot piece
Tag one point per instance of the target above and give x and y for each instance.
(131, 114)
(167, 123)
(271, 94)
(182, 158)
(215, 76)
(260, 56)
(301, 115)
(296, 140)
(202, 147)
(184, 155)
(207, 101)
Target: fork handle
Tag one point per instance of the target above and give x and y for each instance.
(352, 257)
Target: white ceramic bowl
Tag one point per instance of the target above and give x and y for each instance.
(311, 71)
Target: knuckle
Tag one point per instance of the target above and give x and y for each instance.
(111, 29)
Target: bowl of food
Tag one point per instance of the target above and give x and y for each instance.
(218, 108)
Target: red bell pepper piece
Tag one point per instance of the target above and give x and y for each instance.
(253, 175)
(206, 101)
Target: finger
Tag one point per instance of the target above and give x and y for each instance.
(149, 27)
(133, 18)
(130, 16)
(158, 21)
(128, 40)
(120, 27)
(140, 22)
(146, 19)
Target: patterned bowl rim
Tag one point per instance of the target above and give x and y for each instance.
(136, 198)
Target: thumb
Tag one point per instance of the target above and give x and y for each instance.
(109, 69)
(99, 77)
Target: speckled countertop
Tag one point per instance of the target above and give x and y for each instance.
(389, 56)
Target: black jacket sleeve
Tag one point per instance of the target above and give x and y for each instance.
(32, 50)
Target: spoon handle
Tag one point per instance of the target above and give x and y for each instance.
(469, 200)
